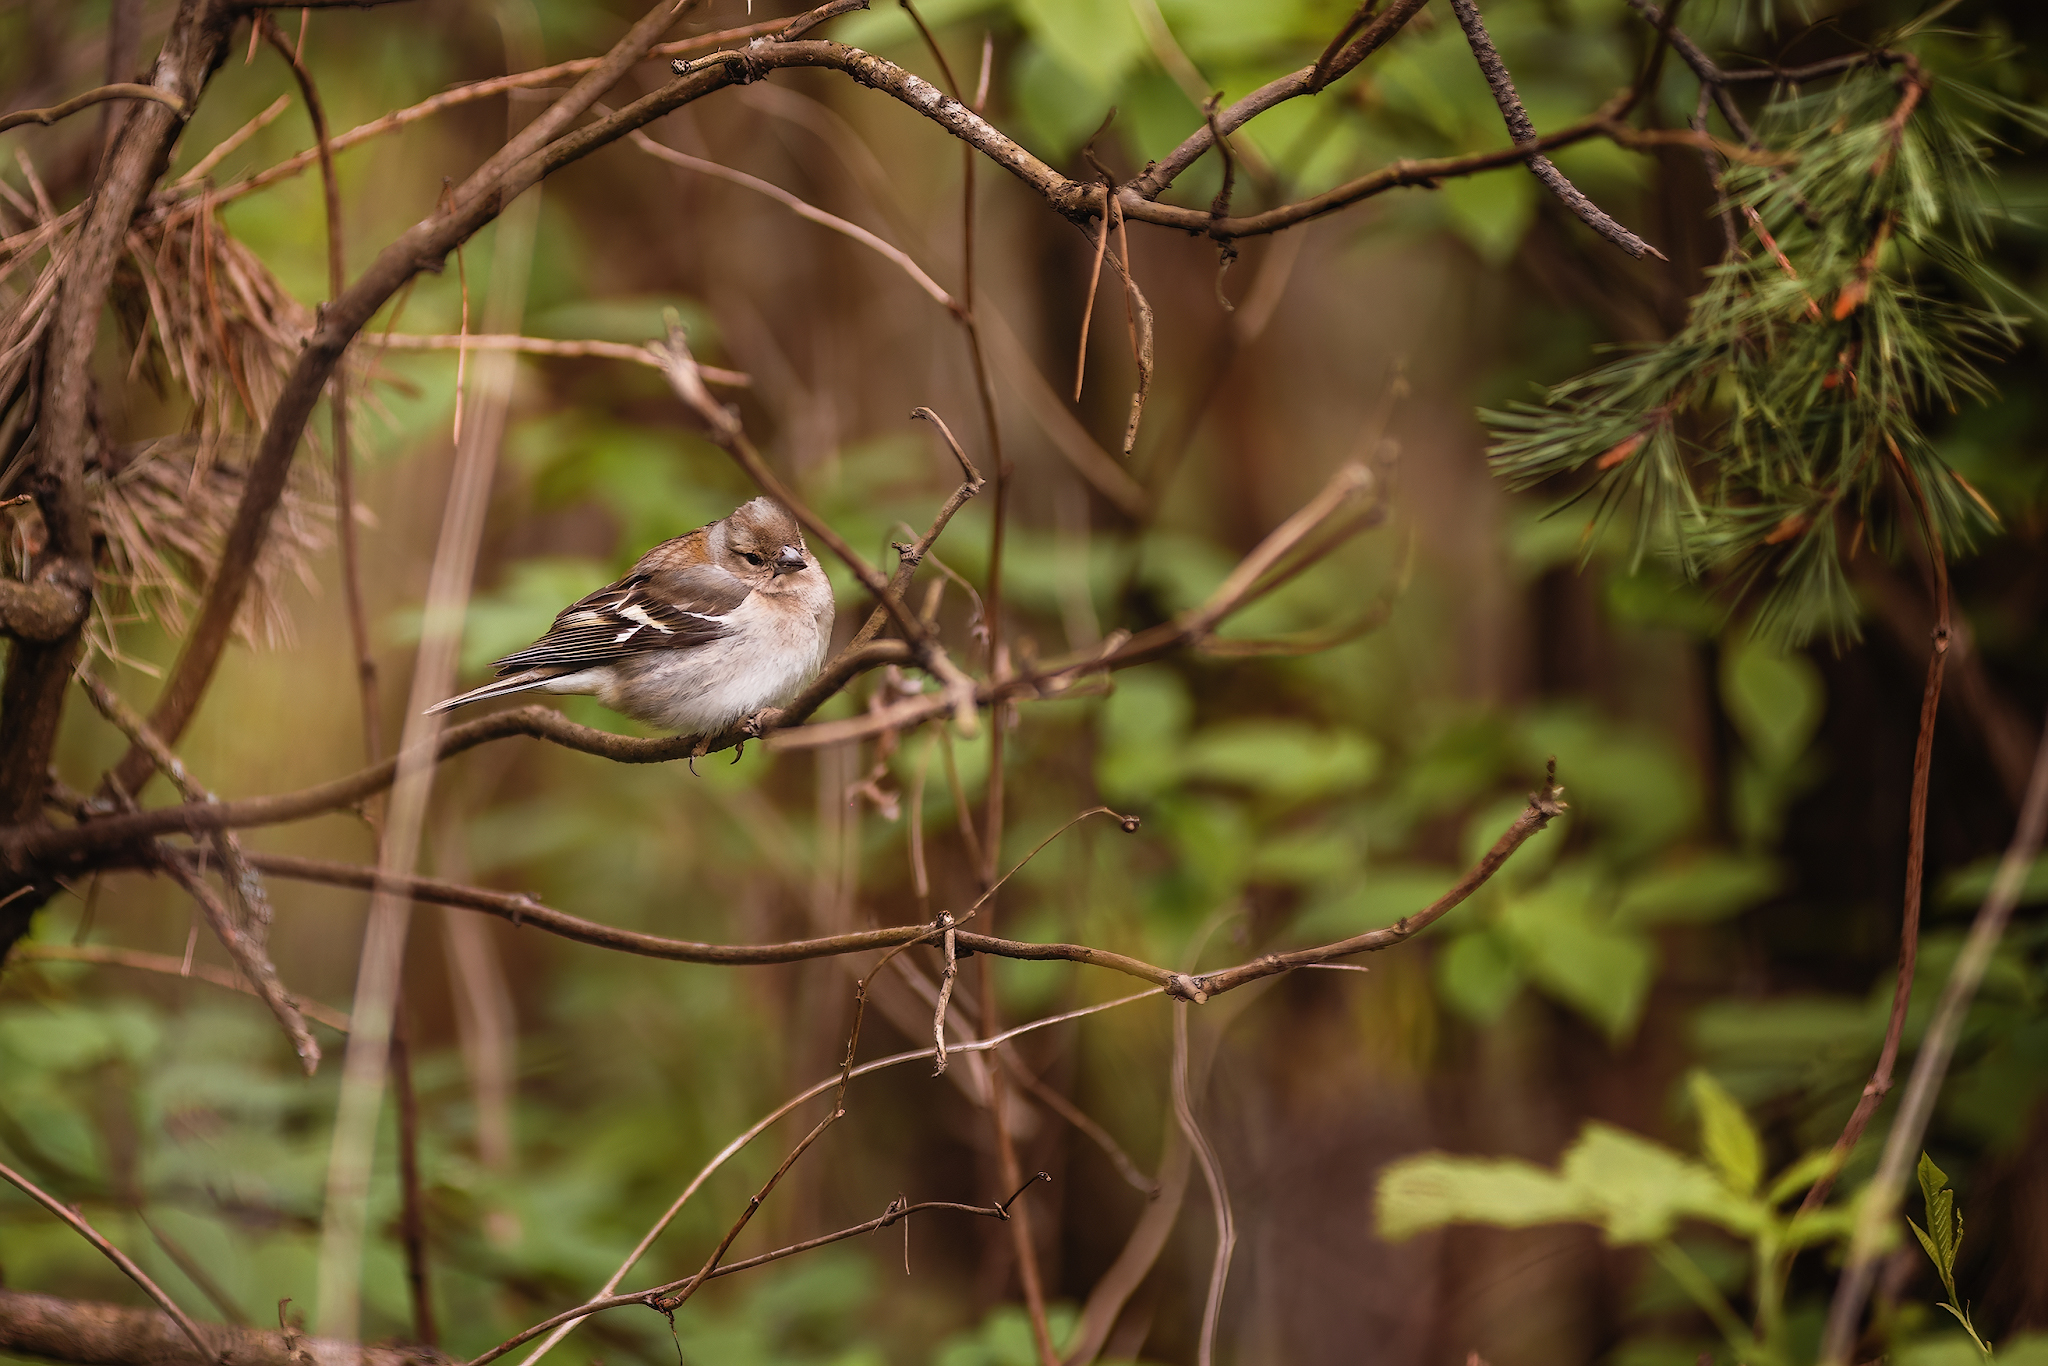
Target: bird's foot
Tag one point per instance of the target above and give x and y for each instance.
(698, 751)
(761, 722)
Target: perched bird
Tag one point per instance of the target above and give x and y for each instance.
(707, 630)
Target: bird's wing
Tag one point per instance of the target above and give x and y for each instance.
(668, 609)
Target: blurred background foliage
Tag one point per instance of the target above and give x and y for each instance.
(1723, 896)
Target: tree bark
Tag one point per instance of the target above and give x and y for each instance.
(113, 1335)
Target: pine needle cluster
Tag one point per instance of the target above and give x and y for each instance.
(1783, 430)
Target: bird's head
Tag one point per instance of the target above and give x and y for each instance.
(760, 542)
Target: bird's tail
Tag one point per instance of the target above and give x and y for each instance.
(519, 682)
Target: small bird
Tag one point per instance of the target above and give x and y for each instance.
(705, 631)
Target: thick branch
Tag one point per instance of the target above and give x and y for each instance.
(522, 162)
(49, 608)
(91, 1334)
(33, 700)
(77, 845)
(188, 1331)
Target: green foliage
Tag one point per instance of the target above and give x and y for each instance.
(1765, 438)
(1943, 1239)
(1636, 1191)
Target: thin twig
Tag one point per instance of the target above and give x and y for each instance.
(559, 1326)
(112, 1253)
(1219, 1193)
(802, 209)
(120, 91)
(1094, 280)
(1080, 1119)
(1879, 1205)
(908, 559)
(1524, 134)
(548, 346)
(244, 936)
(171, 967)
(1880, 1083)
(337, 403)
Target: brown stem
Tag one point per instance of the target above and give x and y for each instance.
(168, 966)
(32, 700)
(525, 159)
(337, 403)
(112, 1254)
(1876, 1219)
(658, 1297)
(85, 1332)
(1880, 1083)
(1524, 133)
(117, 91)
(1544, 806)
(23, 849)
(412, 1225)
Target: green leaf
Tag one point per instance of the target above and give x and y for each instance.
(1098, 42)
(1428, 1191)
(1577, 955)
(1799, 1176)
(1944, 1232)
(1479, 976)
(1284, 758)
(1491, 212)
(1633, 784)
(1966, 888)
(1774, 698)
(1634, 1190)
(1644, 1189)
(1726, 1136)
(1705, 889)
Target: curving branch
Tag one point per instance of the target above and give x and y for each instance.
(186, 1326)
(23, 849)
(101, 955)
(1544, 806)
(117, 91)
(32, 701)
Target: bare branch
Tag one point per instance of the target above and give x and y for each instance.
(112, 1253)
(1212, 1174)
(90, 1334)
(1524, 134)
(48, 608)
(166, 965)
(802, 209)
(118, 91)
(545, 346)
(1544, 805)
(1877, 1211)
(250, 957)
(603, 1299)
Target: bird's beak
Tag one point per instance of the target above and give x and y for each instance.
(790, 560)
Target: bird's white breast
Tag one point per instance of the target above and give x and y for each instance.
(774, 644)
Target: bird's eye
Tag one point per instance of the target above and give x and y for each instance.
(750, 557)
